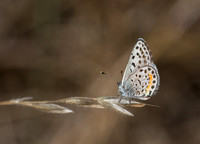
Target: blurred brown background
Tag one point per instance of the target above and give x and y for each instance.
(54, 49)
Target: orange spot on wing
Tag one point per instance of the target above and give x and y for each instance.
(150, 82)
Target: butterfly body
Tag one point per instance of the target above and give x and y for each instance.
(141, 77)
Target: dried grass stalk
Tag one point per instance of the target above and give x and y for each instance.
(106, 102)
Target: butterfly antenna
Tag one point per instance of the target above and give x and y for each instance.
(103, 73)
(122, 73)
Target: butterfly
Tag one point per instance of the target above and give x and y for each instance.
(141, 78)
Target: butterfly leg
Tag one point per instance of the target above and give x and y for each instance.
(120, 98)
(129, 101)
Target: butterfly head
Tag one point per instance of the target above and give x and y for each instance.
(120, 87)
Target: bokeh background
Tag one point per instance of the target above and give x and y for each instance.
(53, 49)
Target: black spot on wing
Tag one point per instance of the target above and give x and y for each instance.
(133, 64)
(139, 81)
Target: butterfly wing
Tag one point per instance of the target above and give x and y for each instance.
(141, 77)
(143, 83)
(140, 55)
